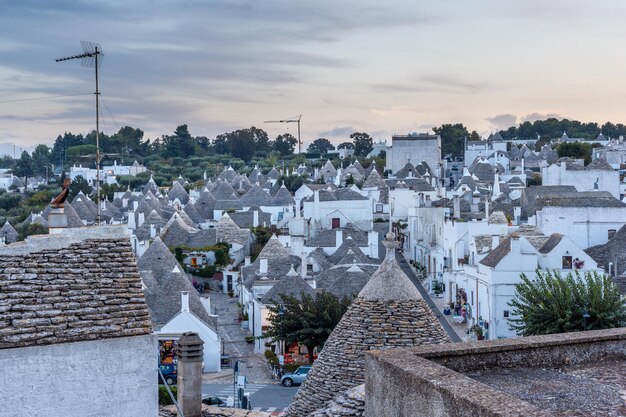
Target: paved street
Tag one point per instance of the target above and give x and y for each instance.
(252, 365)
(263, 397)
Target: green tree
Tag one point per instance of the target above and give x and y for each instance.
(42, 165)
(320, 146)
(220, 144)
(24, 167)
(285, 144)
(576, 150)
(306, 319)
(180, 144)
(345, 145)
(79, 184)
(452, 138)
(554, 304)
(363, 143)
(349, 180)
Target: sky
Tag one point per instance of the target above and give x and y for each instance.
(383, 67)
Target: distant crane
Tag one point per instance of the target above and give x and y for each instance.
(294, 119)
(89, 57)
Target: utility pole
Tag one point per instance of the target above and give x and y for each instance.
(89, 58)
(294, 119)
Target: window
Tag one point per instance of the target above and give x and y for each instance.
(336, 223)
(472, 297)
(506, 314)
(309, 267)
(567, 262)
(379, 208)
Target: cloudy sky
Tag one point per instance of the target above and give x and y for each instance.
(380, 67)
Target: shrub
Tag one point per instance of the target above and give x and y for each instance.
(164, 397)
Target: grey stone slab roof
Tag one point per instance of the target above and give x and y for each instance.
(291, 285)
(349, 252)
(158, 259)
(164, 298)
(319, 256)
(205, 204)
(178, 192)
(415, 184)
(496, 255)
(374, 180)
(71, 287)
(614, 251)
(599, 165)
(483, 243)
(579, 199)
(328, 170)
(345, 280)
(388, 313)
(497, 217)
(351, 170)
(177, 232)
(278, 259)
(223, 191)
(234, 204)
(202, 238)
(245, 219)
(551, 243)
(256, 196)
(228, 174)
(83, 211)
(192, 212)
(273, 174)
(283, 197)
(315, 187)
(228, 231)
(87, 201)
(406, 169)
(113, 210)
(9, 233)
(328, 238)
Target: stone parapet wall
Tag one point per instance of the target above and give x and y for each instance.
(442, 379)
(208, 411)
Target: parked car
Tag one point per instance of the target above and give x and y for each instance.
(213, 400)
(169, 373)
(295, 378)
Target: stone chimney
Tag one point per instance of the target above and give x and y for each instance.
(246, 261)
(255, 218)
(263, 265)
(152, 231)
(456, 204)
(338, 237)
(428, 202)
(495, 241)
(486, 209)
(141, 217)
(189, 351)
(57, 220)
(131, 220)
(184, 301)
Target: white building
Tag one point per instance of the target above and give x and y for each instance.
(333, 209)
(186, 321)
(414, 148)
(587, 218)
(486, 285)
(597, 176)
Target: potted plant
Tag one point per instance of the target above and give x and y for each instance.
(479, 332)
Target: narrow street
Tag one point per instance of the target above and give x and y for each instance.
(252, 365)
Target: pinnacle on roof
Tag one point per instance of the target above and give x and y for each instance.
(389, 282)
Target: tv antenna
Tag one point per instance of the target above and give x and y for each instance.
(294, 119)
(92, 58)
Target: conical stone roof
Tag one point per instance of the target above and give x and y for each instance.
(388, 313)
(178, 192)
(9, 233)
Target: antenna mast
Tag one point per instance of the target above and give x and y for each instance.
(294, 119)
(89, 58)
